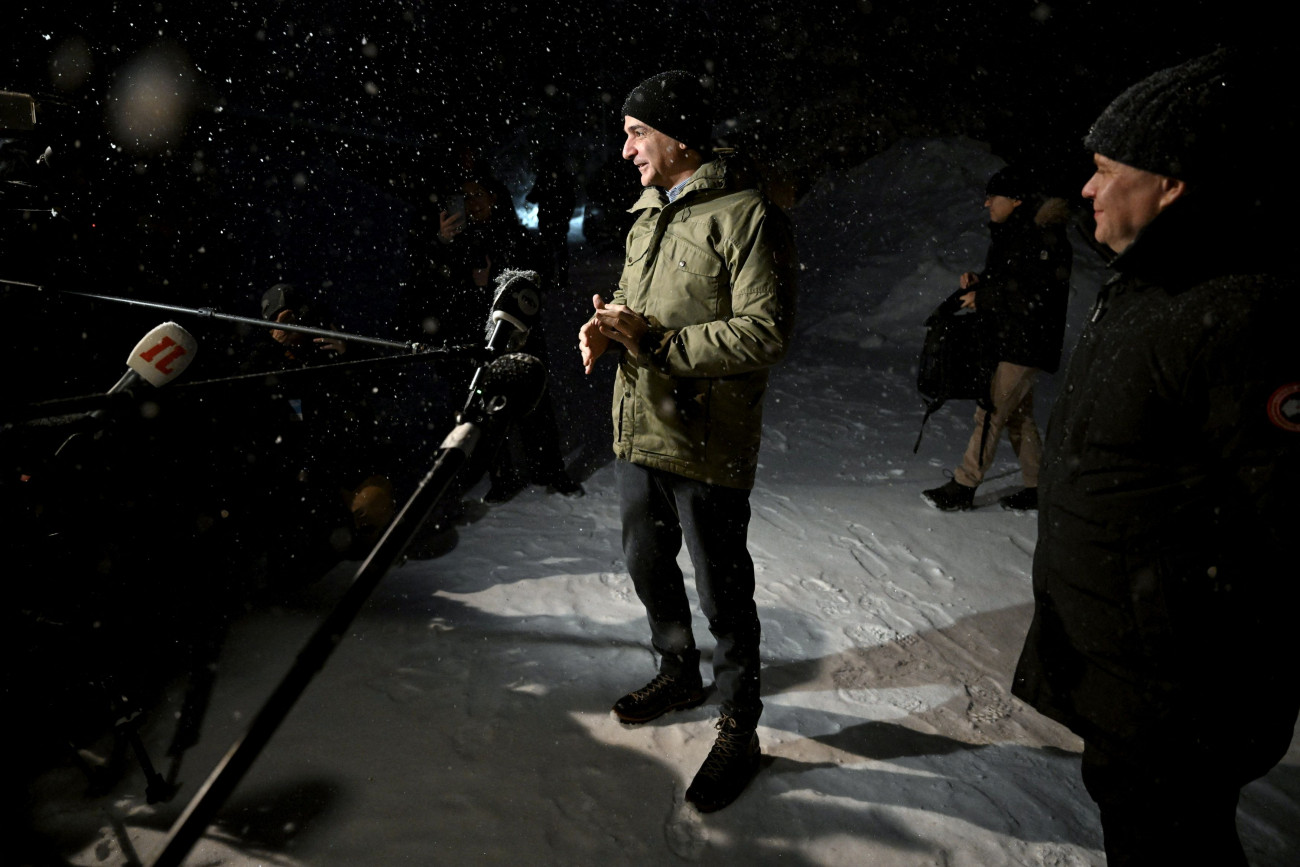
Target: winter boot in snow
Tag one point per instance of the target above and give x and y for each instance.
(666, 692)
(731, 764)
(1024, 500)
(951, 497)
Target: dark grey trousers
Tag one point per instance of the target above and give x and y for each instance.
(659, 510)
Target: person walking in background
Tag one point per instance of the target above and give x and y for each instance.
(1021, 298)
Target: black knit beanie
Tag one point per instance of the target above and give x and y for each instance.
(1180, 122)
(1013, 182)
(677, 105)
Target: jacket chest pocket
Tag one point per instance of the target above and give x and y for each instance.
(638, 245)
(690, 285)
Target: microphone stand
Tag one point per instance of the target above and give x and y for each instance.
(487, 409)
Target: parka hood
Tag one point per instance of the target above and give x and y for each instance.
(1052, 212)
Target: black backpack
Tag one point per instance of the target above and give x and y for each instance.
(954, 363)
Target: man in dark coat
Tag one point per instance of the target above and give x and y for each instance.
(1164, 581)
(1022, 294)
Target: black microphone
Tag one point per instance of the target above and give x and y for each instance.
(514, 310)
(514, 385)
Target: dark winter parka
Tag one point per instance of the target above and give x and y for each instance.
(1165, 579)
(714, 273)
(1023, 291)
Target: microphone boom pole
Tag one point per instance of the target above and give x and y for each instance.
(209, 313)
(507, 383)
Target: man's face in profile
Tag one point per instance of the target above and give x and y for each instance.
(1125, 200)
(657, 157)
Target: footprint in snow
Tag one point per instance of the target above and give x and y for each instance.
(868, 634)
(1053, 855)
(684, 831)
(988, 702)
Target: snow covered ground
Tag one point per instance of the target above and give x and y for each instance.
(466, 718)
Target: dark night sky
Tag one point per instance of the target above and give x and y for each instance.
(426, 72)
(313, 130)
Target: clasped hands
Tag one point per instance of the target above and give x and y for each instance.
(968, 281)
(615, 322)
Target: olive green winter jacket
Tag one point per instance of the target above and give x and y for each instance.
(714, 274)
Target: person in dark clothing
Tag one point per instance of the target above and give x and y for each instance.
(1022, 294)
(453, 295)
(555, 194)
(1164, 571)
(478, 237)
(283, 302)
(327, 434)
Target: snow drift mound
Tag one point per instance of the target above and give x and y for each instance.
(884, 242)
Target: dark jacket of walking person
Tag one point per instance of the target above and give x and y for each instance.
(1020, 300)
(1024, 287)
(555, 192)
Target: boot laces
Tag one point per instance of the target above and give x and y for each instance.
(728, 745)
(661, 683)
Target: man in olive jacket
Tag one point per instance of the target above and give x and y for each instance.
(1165, 586)
(703, 309)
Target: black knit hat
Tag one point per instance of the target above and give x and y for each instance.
(677, 105)
(1180, 122)
(1013, 182)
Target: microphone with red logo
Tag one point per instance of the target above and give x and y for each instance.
(159, 357)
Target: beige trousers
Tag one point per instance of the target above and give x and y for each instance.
(1012, 390)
